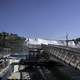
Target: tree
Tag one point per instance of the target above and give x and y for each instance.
(10, 40)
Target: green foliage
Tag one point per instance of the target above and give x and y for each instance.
(10, 40)
(76, 41)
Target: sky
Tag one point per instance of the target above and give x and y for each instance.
(48, 19)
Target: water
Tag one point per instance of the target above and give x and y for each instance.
(19, 56)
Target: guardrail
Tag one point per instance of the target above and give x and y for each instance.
(69, 55)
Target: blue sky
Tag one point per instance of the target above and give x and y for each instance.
(49, 19)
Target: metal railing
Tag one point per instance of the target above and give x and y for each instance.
(69, 55)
